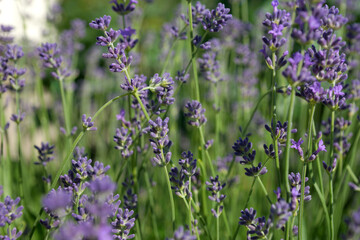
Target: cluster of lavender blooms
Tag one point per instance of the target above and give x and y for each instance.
(195, 113)
(215, 186)
(278, 133)
(85, 203)
(11, 74)
(244, 149)
(9, 212)
(159, 140)
(49, 53)
(280, 211)
(297, 146)
(180, 177)
(341, 137)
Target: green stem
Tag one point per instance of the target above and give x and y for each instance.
(193, 63)
(288, 137)
(202, 139)
(136, 95)
(68, 156)
(191, 218)
(171, 197)
(331, 191)
(152, 208)
(65, 109)
(331, 206)
(246, 204)
(302, 201)
(217, 121)
(245, 18)
(274, 118)
(352, 174)
(263, 189)
(218, 223)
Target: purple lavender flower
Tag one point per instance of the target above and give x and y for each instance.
(311, 92)
(17, 118)
(130, 198)
(276, 23)
(216, 19)
(297, 146)
(335, 98)
(269, 151)
(209, 67)
(163, 87)
(209, 144)
(308, 23)
(247, 217)
(279, 132)
(188, 163)
(122, 8)
(138, 82)
(160, 141)
(58, 201)
(180, 185)
(45, 153)
(321, 148)
(127, 42)
(123, 139)
(182, 234)
(88, 125)
(243, 148)
(102, 186)
(280, 213)
(331, 168)
(195, 113)
(49, 54)
(14, 52)
(291, 72)
(295, 184)
(327, 65)
(198, 13)
(353, 224)
(260, 228)
(333, 19)
(101, 23)
(214, 186)
(110, 37)
(183, 77)
(123, 224)
(255, 171)
(341, 139)
(9, 211)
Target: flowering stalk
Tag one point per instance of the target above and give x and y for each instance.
(303, 176)
(4, 160)
(246, 204)
(68, 157)
(287, 149)
(263, 189)
(193, 63)
(170, 194)
(331, 191)
(274, 117)
(151, 201)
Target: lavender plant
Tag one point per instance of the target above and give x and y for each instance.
(147, 85)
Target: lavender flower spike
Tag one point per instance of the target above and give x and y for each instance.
(216, 19)
(88, 125)
(195, 113)
(297, 146)
(101, 23)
